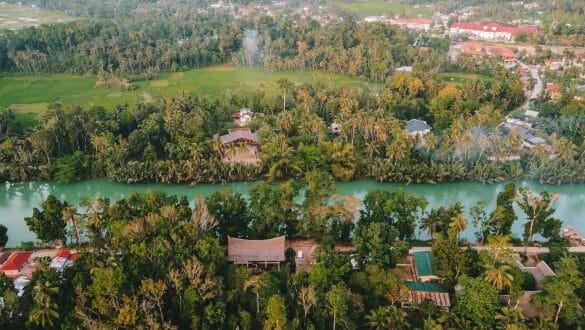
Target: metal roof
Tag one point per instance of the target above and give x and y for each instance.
(424, 263)
(419, 292)
(415, 125)
(240, 134)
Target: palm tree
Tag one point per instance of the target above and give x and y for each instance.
(543, 323)
(565, 149)
(457, 225)
(44, 313)
(430, 224)
(510, 318)
(498, 275)
(379, 318)
(71, 215)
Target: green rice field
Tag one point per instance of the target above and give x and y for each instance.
(381, 7)
(29, 96)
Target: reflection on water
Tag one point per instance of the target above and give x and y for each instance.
(18, 199)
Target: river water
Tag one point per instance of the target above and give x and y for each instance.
(18, 199)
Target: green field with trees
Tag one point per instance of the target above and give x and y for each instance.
(32, 94)
(381, 7)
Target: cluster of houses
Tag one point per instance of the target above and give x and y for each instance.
(478, 50)
(416, 269)
(20, 265)
(490, 31)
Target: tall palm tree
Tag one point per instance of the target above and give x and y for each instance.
(430, 223)
(44, 313)
(498, 275)
(379, 318)
(71, 215)
(457, 225)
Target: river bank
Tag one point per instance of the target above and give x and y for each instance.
(18, 199)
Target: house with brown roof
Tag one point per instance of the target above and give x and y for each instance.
(15, 263)
(420, 291)
(241, 146)
(305, 253)
(257, 253)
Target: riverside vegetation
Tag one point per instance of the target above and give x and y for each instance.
(151, 260)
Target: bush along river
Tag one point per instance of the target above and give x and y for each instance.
(18, 199)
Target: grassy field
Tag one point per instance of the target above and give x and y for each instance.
(16, 17)
(29, 96)
(462, 78)
(381, 7)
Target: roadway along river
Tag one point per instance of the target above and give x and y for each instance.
(18, 199)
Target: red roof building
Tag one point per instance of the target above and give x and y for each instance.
(491, 30)
(14, 264)
(63, 258)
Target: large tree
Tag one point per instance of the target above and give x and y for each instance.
(477, 301)
(48, 224)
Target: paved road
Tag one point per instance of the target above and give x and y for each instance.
(518, 249)
(538, 86)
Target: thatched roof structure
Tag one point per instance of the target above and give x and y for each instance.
(246, 251)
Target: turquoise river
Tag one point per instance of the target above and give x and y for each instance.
(18, 199)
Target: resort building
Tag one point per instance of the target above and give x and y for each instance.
(420, 291)
(490, 31)
(63, 259)
(15, 263)
(241, 146)
(417, 24)
(257, 253)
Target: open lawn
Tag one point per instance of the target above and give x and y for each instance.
(30, 95)
(381, 7)
(16, 17)
(462, 78)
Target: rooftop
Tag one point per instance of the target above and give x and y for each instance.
(240, 134)
(424, 263)
(247, 250)
(415, 125)
(419, 292)
(16, 261)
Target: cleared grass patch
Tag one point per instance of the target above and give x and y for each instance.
(17, 17)
(463, 78)
(159, 83)
(379, 7)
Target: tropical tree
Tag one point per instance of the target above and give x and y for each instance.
(498, 275)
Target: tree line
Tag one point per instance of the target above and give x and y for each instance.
(154, 260)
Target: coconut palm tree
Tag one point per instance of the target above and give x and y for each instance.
(510, 318)
(498, 275)
(379, 318)
(457, 225)
(44, 312)
(71, 215)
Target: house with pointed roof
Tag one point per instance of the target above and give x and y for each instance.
(257, 252)
(241, 146)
